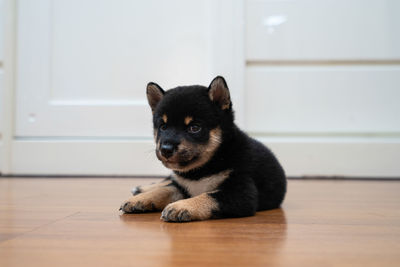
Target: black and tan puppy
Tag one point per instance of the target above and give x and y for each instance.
(218, 171)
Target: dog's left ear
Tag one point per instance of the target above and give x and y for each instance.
(219, 93)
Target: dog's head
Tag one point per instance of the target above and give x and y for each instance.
(189, 122)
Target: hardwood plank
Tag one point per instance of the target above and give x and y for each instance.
(64, 222)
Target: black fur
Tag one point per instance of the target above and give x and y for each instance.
(257, 180)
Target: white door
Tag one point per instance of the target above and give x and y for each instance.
(82, 71)
(317, 81)
(326, 77)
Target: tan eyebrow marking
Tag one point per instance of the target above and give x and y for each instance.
(165, 118)
(188, 119)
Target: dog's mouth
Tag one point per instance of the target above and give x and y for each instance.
(190, 156)
(179, 160)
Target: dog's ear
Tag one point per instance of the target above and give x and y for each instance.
(154, 94)
(219, 93)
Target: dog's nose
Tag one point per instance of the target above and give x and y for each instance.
(167, 150)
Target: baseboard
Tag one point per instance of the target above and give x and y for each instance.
(338, 156)
(85, 157)
(351, 157)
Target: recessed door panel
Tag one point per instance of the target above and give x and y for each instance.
(322, 30)
(83, 65)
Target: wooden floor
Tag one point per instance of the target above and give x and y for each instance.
(76, 222)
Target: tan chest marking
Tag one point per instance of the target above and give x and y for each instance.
(205, 184)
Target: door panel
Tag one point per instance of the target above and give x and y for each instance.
(82, 69)
(323, 99)
(83, 65)
(322, 30)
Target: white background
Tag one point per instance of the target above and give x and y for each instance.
(317, 81)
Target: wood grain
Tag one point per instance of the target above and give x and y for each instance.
(76, 222)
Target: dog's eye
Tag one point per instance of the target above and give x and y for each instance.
(194, 128)
(163, 127)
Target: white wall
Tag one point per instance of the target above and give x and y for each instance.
(1, 80)
(1, 120)
(317, 81)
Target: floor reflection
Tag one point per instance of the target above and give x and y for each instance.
(237, 239)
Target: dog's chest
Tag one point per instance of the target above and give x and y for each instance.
(203, 185)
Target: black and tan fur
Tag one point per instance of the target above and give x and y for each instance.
(218, 171)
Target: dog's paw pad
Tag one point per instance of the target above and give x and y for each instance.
(124, 206)
(171, 214)
(136, 207)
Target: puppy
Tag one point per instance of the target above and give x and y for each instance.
(217, 170)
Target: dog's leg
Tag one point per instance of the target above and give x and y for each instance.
(234, 198)
(145, 188)
(200, 207)
(152, 200)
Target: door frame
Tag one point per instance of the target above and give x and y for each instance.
(8, 72)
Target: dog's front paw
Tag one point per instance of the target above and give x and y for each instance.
(136, 205)
(196, 208)
(175, 212)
